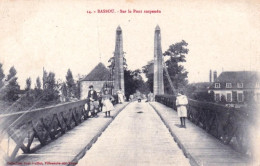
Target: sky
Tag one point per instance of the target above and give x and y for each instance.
(58, 35)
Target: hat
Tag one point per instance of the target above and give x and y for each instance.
(178, 94)
(91, 86)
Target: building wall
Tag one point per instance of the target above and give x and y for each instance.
(239, 94)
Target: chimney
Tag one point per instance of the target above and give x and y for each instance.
(210, 76)
(215, 76)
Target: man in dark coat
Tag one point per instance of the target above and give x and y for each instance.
(92, 100)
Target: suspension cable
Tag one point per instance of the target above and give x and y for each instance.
(168, 76)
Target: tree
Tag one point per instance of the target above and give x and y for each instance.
(64, 89)
(28, 84)
(134, 82)
(177, 72)
(12, 88)
(130, 86)
(38, 83)
(148, 71)
(139, 83)
(71, 86)
(64, 92)
(211, 96)
(190, 89)
(50, 92)
(37, 89)
(77, 90)
(111, 65)
(2, 76)
(44, 79)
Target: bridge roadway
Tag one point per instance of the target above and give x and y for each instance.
(139, 134)
(136, 137)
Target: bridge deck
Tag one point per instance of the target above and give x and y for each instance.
(137, 137)
(72, 144)
(197, 144)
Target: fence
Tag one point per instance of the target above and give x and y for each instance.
(38, 125)
(230, 125)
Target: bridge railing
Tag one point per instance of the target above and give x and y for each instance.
(38, 125)
(231, 126)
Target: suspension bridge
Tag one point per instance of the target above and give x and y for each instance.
(137, 133)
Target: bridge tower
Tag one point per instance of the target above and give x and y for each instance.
(119, 62)
(158, 86)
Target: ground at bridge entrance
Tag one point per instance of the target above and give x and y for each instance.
(136, 137)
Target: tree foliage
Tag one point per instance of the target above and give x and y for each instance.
(178, 75)
(71, 87)
(38, 93)
(133, 79)
(12, 88)
(28, 84)
(2, 76)
(64, 90)
(50, 91)
(38, 83)
(134, 82)
(44, 79)
(176, 70)
(148, 71)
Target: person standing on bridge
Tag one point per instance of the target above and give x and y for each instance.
(92, 100)
(107, 104)
(120, 96)
(181, 103)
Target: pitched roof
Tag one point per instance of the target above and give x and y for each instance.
(234, 77)
(99, 73)
(248, 78)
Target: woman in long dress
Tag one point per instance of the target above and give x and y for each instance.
(120, 96)
(107, 104)
(181, 103)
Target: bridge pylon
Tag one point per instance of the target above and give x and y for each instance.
(158, 86)
(119, 62)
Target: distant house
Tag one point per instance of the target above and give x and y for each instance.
(236, 86)
(99, 77)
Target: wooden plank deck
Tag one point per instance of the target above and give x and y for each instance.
(72, 145)
(136, 137)
(200, 147)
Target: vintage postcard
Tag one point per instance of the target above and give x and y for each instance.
(131, 82)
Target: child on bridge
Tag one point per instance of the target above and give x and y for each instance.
(107, 104)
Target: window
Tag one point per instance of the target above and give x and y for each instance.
(240, 97)
(229, 97)
(228, 85)
(240, 85)
(217, 97)
(217, 85)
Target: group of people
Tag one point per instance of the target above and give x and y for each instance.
(101, 102)
(97, 103)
